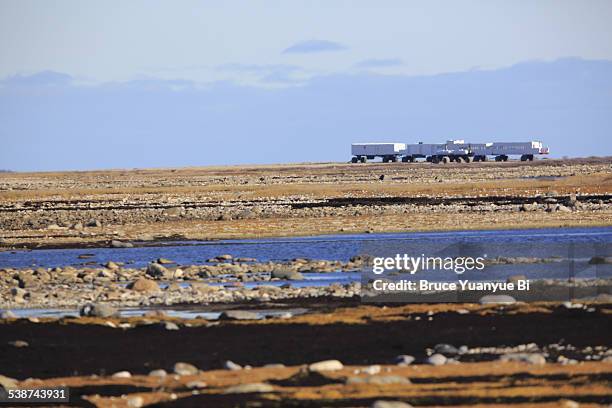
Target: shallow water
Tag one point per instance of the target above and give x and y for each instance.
(531, 242)
(572, 248)
(184, 312)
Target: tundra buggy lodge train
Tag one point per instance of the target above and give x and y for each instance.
(451, 151)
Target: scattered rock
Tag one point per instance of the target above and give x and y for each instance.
(404, 360)
(119, 244)
(111, 265)
(562, 208)
(567, 403)
(93, 223)
(171, 326)
(7, 314)
(530, 358)
(528, 207)
(371, 370)
(446, 349)
(570, 305)
(135, 401)
(19, 295)
(249, 388)
(122, 374)
(224, 257)
(181, 368)
(288, 275)
(379, 380)
(156, 270)
(174, 211)
(163, 261)
(144, 285)
(196, 384)
(230, 365)
(326, 365)
(158, 373)
(497, 299)
(390, 404)
(239, 315)
(98, 310)
(436, 359)
(7, 383)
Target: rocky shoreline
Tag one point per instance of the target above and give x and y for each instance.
(95, 208)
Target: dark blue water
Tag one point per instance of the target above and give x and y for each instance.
(574, 243)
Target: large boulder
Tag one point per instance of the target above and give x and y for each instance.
(98, 310)
(182, 368)
(287, 275)
(144, 285)
(239, 315)
(158, 271)
(119, 244)
(326, 365)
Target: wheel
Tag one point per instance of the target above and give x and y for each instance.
(459, 159)
(484, 158)
(505, 158)
(468, 159)
(446, 159)
(405, 159)
(354, 160)
(435, 159)
(394, 159)
(362, 159)
(385, 159)
(524, 157)
(498, 158)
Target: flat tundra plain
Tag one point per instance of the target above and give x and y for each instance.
(96, 207)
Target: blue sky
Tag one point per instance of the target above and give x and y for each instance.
(261, 82)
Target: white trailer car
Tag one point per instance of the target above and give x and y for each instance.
(388, 151)
(501, 150)
(459, 151)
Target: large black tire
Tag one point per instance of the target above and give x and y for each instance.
(446, 159)
(354, 160)
(435, 159)
(468, 159)
(362, 159)
(459, 159)
(527, 157)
